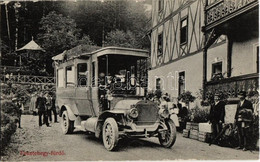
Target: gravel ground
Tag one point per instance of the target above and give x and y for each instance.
(48, 143)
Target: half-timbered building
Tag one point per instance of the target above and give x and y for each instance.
(204, 44)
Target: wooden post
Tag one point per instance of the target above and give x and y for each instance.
(106, 65)
(229, 55)
(96, 73)
(205, 51)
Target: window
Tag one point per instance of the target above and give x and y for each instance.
(93, 74)
(60, 78)
(217, 68)
(181, 82)
(160, 5)
(70, 76)
(82, 74)
(217, 71)
(160, 44)
(184, 31)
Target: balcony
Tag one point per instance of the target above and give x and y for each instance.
(231, 86)
(220, 11)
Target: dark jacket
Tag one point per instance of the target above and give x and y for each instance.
(247, 105)
(183, 111)
(41, 103)
(53, 103)
(217, 112)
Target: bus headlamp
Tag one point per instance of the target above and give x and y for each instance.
(133, 113)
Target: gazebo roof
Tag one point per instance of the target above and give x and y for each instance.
(31, 46)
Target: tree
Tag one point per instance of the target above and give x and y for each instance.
(88, 21)
(121, 38)
(98, 19)
(86, 40)
(59, 33)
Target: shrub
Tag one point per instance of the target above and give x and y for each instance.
(6, 132)
(9, 117)
(209, 96)
(199, 115)
(186, 97)
(10, 108)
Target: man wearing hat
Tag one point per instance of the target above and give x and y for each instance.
(42, 109)
(217, 114)
(243, 119)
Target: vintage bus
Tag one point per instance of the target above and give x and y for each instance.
(102, 91)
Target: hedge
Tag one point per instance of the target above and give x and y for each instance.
(9, 118)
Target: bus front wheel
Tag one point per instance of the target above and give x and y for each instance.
(110, 134)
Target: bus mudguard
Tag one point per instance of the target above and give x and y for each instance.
(70, 112)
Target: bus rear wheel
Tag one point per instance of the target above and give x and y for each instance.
(67, 125)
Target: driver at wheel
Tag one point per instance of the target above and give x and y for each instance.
(103, 103)
(109, 98)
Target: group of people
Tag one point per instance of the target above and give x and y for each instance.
(242, 121)
(44, 105)
(243, 118)
(177, 106)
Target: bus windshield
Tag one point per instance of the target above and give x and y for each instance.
(122, 74)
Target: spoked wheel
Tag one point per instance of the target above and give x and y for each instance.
(66, 124)
(110, 134)
(168, 137)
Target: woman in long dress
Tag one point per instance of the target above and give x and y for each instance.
(32, 107)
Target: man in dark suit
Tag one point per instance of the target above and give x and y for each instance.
(217, 114)
(42, 109)
(243, 119)
(53, 108)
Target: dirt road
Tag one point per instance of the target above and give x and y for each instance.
(48, 143)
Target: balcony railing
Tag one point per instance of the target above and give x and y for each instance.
(217, 10)
(232, 86)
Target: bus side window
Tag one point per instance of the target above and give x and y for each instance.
(60, 78)
(70, 76)
(82, 74)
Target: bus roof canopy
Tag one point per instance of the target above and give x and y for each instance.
(87, 50)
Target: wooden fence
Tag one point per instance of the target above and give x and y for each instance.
(28, 79)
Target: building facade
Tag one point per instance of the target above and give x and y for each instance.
(203, 44)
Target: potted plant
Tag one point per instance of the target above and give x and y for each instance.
(209, 98)
(186, 97)
(196, 115)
